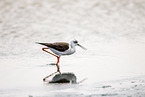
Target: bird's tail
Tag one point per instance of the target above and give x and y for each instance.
(41, 43)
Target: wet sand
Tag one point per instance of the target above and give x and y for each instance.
(112, 31)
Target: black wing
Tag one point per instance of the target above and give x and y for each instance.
(60, 46)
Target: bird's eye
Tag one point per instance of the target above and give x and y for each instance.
(75, 41)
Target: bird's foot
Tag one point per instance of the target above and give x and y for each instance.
(44, 79)
(59, 71)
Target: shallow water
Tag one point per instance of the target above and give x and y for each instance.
(112, 31)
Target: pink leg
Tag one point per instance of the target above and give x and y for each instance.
(57, 64)
(58, 57)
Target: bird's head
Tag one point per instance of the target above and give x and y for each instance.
(75, 43)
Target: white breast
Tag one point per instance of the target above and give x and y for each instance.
(67, 52)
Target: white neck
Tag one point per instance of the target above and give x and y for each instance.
(72, 45)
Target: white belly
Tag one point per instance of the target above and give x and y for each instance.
(59, 53)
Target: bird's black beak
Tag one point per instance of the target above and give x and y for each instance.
(82, 47)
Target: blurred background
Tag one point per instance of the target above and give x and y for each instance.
(25, 22)
(113, 31)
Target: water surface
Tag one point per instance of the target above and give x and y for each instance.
(112, 31)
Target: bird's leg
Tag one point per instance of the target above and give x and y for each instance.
(49, 52)
(49, 76)
(58, 57)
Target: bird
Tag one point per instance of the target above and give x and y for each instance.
(61, 48)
